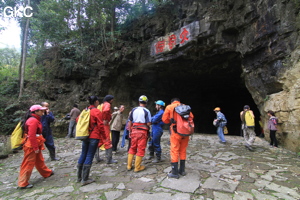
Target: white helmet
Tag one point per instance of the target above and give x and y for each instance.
(143, 99)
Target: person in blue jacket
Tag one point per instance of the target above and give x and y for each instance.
(157, 131)
(126, 135)
(48, 118)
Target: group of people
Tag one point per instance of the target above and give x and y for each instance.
(105, 127)
(248, 126)
(138, 133)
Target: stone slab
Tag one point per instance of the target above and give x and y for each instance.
(220, 185)
(188, 183)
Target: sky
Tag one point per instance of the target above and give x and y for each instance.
(10, 37)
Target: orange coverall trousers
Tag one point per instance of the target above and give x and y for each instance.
(106, 141)
(178, 147)
(138, 142)
(30, 160)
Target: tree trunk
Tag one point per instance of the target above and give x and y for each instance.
(113, 21)
(79, 20)
(143, 6)
(23, 59)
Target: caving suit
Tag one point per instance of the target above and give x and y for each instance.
(222, 121)
(139, 117)
(178, 143)
(157, 131)
(34, 140)
(106, 115)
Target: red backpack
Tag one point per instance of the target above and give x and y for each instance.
(184, 125)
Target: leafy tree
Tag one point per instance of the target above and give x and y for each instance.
(9, 58)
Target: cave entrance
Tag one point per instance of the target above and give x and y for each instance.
(204, 85)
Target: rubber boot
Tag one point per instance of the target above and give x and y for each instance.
(151, 155)
(110, 160)
(137, 165)
(52, 155)
(182, 168)
(174, 173)
(97, 156)
(79, 172)
(129, 161)
(157, 158)
(85, 175)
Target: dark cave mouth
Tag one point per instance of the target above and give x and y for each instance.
(217, 82)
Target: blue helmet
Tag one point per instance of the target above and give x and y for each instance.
(160, 102)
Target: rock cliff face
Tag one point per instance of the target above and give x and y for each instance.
(223, 53)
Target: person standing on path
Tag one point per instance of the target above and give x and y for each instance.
(157, 131)
(178, 143)
(272, 126)
(90, 145)
(138, 125)
(220, 122)
(75, 112)
(248, 125)
(106, 117)
(116, 126)
(47, 119)
(126, 135)
(32, 147)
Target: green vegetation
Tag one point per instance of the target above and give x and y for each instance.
(75, 30)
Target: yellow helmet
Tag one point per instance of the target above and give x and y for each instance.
(217, 109)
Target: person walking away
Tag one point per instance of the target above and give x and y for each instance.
(116, 126)
(272, 126)
(33, 145)
(90, 145)
(138, 125)
(75, 112)
(106, 117)
(220, 122)
(178, 143)
(157, 131)
(47, 119)
(248, 125)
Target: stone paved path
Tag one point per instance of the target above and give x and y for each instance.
(214, 171)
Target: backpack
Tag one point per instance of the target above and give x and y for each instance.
(184, 125)
(249, 119)
(16, 138)
(82, 127)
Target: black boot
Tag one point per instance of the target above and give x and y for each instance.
(174, 173)
(110, 160)
(85, 175)
(97, 157)
(79, 172)
(182, 168)
(52, 155)
(157, 158)
(151, 154)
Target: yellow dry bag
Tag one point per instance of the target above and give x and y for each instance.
(82, 127)
(16, 137)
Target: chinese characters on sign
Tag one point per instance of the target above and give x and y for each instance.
(178, 38)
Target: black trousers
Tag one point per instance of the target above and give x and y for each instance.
(115, 139)
(273, 138)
